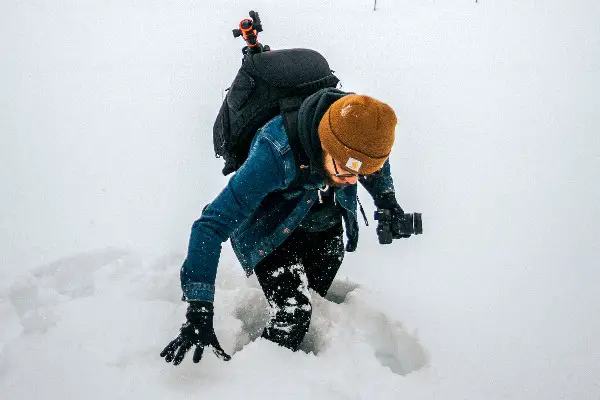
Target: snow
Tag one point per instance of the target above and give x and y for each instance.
(106, 110)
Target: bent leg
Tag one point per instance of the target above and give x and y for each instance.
(285, 285)
(322, 257)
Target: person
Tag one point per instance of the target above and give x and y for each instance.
(290, 235)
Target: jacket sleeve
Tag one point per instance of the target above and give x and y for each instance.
(379, 183)
(262, 173)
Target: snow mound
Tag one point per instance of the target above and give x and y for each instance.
(80, 322)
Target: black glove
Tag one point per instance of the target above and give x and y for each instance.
(387, 201)
(198, 331)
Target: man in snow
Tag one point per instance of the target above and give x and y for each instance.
(290, 235)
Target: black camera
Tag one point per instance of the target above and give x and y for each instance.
(396, 226)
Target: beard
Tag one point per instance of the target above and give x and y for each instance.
(331, 183)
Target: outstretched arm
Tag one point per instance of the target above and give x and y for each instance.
(262, 173)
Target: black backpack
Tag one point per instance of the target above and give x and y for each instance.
(268, 83)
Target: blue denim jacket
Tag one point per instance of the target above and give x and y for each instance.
(258, 210)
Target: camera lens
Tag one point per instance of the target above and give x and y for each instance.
(418, 224)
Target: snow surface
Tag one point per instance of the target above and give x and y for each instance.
(106, 110)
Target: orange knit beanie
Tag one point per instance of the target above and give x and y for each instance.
(358, 132)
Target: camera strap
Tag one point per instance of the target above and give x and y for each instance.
(362, 211)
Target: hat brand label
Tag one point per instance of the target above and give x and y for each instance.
(353, 164)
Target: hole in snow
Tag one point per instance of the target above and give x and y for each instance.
(339, 290)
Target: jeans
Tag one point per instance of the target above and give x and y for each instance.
(306, 260)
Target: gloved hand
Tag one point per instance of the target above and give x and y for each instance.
(387, 201)
(198, 331)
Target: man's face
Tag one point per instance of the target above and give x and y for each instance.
(333, 168)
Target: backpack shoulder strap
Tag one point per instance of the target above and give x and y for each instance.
(289, 110)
